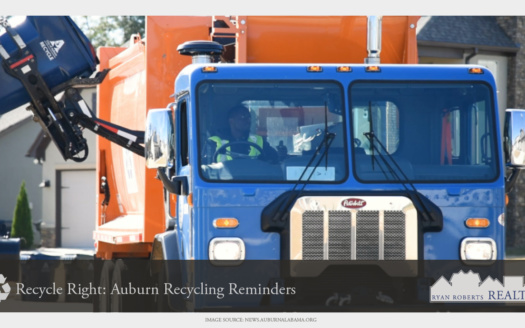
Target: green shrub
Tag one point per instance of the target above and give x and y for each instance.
(22, 226)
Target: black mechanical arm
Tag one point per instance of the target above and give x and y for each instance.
(64, 119)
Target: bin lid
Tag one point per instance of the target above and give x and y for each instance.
(9, 245)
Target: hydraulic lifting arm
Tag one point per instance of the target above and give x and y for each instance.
(63, 119)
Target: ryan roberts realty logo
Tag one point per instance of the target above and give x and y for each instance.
(468, 287)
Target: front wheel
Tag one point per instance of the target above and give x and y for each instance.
(162, 301)
(169, 275)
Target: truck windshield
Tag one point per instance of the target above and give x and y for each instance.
(436, 132)
(269, 131)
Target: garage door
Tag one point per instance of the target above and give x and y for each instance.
(77, 208)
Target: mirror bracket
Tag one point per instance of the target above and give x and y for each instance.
(177, 185)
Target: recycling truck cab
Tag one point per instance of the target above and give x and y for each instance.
(384, 162)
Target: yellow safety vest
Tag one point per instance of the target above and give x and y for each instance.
(253, 151)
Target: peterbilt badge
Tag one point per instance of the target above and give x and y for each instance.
(353, 203)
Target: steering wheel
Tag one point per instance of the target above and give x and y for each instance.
(357, 142)
(222, 150)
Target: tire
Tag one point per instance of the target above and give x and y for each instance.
(162, 302)
(102, 301)
(165, 302)
(132, 280)
(116, 304)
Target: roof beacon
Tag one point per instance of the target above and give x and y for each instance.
(201, 52)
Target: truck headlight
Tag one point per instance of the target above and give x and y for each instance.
(230, 250)
(478, 249)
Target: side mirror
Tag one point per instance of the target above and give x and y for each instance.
(514, 145)
(158, 138)
(514, 137)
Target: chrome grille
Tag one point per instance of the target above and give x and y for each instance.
(367, 235)
(384, 229)
(313, 235)
(340, 235)
(394, 235)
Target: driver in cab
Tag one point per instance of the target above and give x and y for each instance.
(238, 142)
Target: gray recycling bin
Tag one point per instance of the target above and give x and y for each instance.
(79, 272)
(38, 270)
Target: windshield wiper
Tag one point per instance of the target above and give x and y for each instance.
(431, 213)
(278, 211)
(284, 208)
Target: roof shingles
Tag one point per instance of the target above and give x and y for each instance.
(470, 30)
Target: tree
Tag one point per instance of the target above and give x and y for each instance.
(22, 222)
(110, 31)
